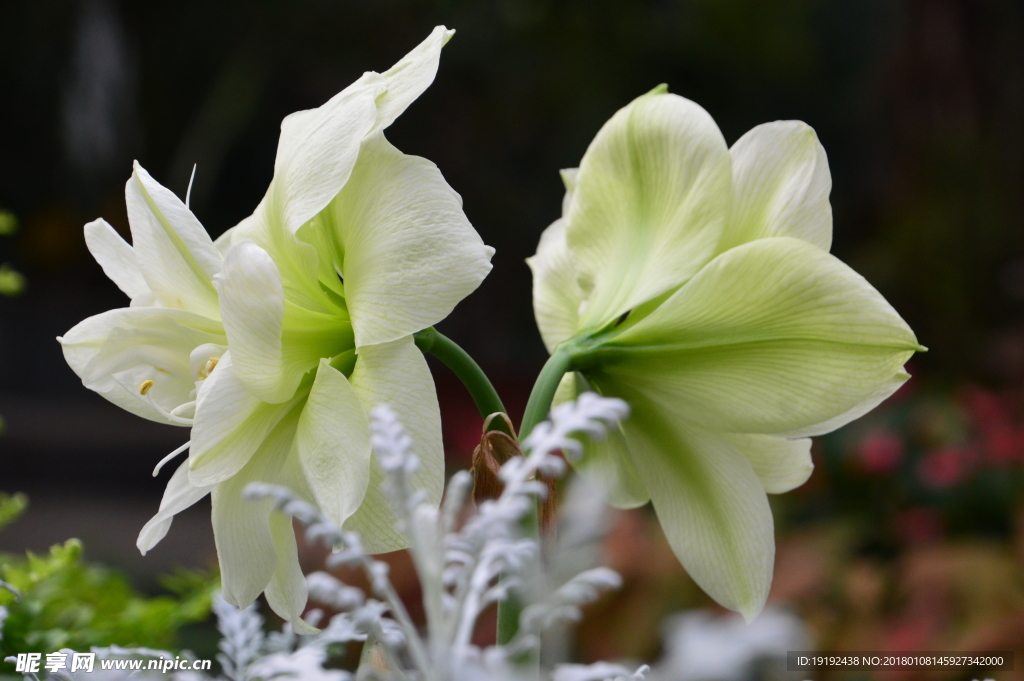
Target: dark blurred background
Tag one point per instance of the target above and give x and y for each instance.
(919, 104)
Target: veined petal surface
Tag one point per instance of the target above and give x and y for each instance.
(409, 253)
(781, 181)
(881, 393)
(770, 337)
(333, 444)
(556, 293)
(117, 352)
(241, 528)
(287, 592)
(396, 374)
(117, 258)
(318, 149)
(230, 425)
(652, 197)
(711, 505)
(605, 462)
(410, 77)
(176, 256)
(781, 464)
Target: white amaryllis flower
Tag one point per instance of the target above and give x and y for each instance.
(355, 247)
(694, 281)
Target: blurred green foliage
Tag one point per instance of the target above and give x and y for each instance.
(11, 507)
(8, 223)
(59, 600)
(11, 281)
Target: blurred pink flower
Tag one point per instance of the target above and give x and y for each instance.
(918, 525)
(985, 408)
(943, 468)
(1003, 445)
(880, 453)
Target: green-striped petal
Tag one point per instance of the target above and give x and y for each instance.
(781, 464)
(773, 336)
(333, 444)
(652, 197)
(781, 182)
(274, 342)
(710, 504)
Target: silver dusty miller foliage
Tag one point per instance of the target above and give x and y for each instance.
(463, 569)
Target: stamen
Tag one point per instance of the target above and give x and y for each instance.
(144, 390)
(179, 450)
(211, 364)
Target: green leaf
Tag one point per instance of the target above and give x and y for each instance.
(11, 507)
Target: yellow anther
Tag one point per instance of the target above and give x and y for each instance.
(145, 386)
(211, 364)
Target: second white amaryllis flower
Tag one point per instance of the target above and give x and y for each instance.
(694, 281)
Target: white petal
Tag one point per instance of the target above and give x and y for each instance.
(396, 374)
(774, 336)
(179, 495)
(116, 257)
(116, 352)
(318, 149)
(252, 302)
(711, 506)
(408, 78)
(333, 444)
(605, 462)
(651, 200)
(556, 294)
(175, 254)
(781, 182)
(273, 342)
(241, 528)
(230, 425)
(410, 254)
(884, 390)
(780, 464)
(287, 591)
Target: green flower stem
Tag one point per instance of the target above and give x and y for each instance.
(537, 409)
(484, 395)
(539, 404)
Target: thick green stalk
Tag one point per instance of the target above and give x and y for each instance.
(543, 393)
(467, 370)
(537, 409)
